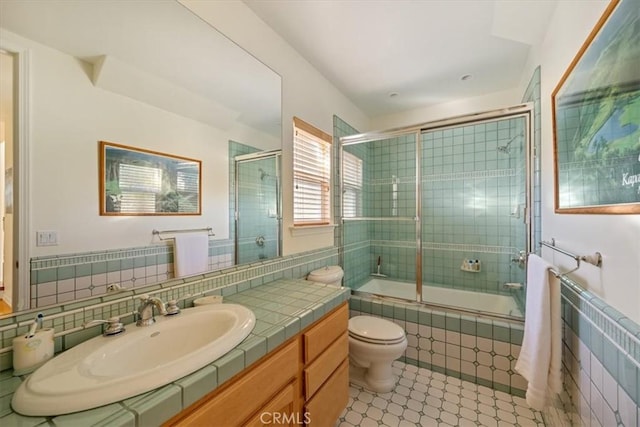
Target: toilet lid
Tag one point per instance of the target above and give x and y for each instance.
(375, 330)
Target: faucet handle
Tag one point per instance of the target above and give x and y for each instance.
(144, 297)
(172, 307)
(114, 326)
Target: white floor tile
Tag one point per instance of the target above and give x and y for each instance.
(430, 399)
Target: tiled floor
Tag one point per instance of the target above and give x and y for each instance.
(425, 398)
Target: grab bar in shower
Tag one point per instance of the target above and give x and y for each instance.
(595, 259)
(158, 233)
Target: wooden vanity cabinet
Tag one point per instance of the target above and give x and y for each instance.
(235, 403)
(304, 381)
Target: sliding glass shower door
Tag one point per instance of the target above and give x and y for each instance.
(380, 210)
(474, 208)
(257, 207)
(439, 213)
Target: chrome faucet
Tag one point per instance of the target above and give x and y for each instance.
(145, 310)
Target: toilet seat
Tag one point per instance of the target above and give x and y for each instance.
(375, 330)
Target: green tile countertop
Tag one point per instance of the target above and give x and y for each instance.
(283, 308)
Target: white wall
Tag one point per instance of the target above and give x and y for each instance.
(305, 93)
(617, 237)
(68, 116)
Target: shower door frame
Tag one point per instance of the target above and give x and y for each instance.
(277, 155)
(526, 111)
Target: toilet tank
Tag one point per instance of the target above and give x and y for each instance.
(330, 275)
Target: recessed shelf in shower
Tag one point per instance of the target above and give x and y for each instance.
(471, 265)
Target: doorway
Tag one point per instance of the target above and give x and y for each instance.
(7, 115)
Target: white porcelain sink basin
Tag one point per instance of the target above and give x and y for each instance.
(103, 370)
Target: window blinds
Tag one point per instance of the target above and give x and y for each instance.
(352, 185)
(139, 185)
(311, 176)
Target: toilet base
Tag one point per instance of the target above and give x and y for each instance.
(367, 379)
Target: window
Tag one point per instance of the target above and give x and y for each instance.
(139, 186)
(351, 185)
(311, 175)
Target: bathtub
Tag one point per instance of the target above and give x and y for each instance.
(501, 305)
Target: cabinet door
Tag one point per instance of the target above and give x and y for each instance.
(328, 403)
(279, 411)
(236, 403)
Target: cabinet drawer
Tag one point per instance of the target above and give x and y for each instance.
(241, 399)
(322, 368)
(326, 406)
(321, 336)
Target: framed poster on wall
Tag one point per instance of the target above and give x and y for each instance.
(596, 119)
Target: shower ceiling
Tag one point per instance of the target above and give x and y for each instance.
(418, 49)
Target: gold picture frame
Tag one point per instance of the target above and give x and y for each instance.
(135, 181)
(596, 119)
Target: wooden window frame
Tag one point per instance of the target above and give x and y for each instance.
(321, 176)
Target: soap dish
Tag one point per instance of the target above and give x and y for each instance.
(211, 299)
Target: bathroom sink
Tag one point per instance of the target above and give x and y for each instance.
(103, 370)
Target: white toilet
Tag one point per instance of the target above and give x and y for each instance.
(374, 343)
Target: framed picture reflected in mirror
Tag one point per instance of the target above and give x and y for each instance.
(135, 181)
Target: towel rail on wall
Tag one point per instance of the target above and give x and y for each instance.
(158, 233)
(595, 259)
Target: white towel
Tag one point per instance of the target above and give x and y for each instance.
(541, 353)
(191, 254)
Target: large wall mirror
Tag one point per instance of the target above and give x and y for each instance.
(150, 75)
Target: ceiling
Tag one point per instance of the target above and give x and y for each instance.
(157, 52)
(389, 56)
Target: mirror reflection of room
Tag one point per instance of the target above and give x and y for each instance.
(84, 88)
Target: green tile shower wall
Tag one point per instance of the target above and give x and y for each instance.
(533, 95)
(257, 194)
(471, 187)
(473, 207)
(351, 238)
(235, 149)
(387, 162)
(63, 278)
(67, 319)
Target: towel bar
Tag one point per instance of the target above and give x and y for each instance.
(595, 259)
(158, 233)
